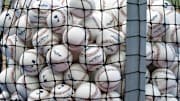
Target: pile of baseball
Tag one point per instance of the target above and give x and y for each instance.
(162, 52)
(64, 50)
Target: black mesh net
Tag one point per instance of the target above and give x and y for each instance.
(64, 50)
(162, 50)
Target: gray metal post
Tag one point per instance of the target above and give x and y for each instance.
(135, 50)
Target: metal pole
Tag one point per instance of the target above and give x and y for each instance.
(135, 50)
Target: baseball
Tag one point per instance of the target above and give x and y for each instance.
(62, 92)
(110, 40)
(12, 47)
(31, 62)
(149, 53)
(168, 97)
(75, 75)
(165, 80)
(58, 20)
(9, 76)
(59, 58)
(92, 57)
(93, 26)
(147, 76)
(161, 58)
(111, 96)
(155, 22)
(121, 87)
(152, 92)
(4, 96)
(7, 19)
(49, 81)
(70, 38)
(120, 10)
(38, 94)
(16, 97)
(38, 12)
(92, 92)
(26, 84)
(117, 60)
(43, 40)
(175, 67)
(82, 8)
(108, 78)
(24, 30)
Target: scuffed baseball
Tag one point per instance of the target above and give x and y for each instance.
(152, 93)
(4, 96)
(43, 40)
(92, 57)
(165, 80)
(70, 37)
(39, 94)
(175, 67)
(13, 47)
(48, 79)
(59, 58)
(92, 92)
(168, 97)
(26, 84)
(81, 8)
(24, 30)
(147, 76)
(111, 96)
(31, 62)
(110, 39)
(9, 76)
(62, 92)
(107, 78)
(16, 97)
(161, 59)
(149, 53)
(58, 20)
(75, 75)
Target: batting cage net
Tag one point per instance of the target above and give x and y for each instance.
(89, 50)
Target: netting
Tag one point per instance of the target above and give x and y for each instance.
(64, 50)
(162, 50)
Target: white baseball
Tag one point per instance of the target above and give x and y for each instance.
(92, 92)
(38, 94)
(121, 87)
(38, 12)
(152, 92)
(147, 76)
(155, 22)
(48, 79)
(43, 40)
(26, 84)
(16, 97)
(9, 76)
(81, 8)
(107, 19)
(117, 60)
(7, 19)
(31, 62)
(111, 96)
(165, 80)
(59, 58)
(110, 39)
(149, 53)
(75, 75)
(93, 26)
(70, 38)
(108, 78)
(4, 96)
(175, 67)
(62, 92)
(24, 30)
(13, 47)
(92, 57)
(161, 58)
(58, 20)
(120, 10)
(168, 97)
